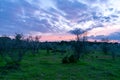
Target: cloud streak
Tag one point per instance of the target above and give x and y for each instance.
(56, 16)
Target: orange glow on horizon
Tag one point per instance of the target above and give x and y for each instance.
(94, 32)
(57, 37)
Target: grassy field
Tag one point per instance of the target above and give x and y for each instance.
(49, 67)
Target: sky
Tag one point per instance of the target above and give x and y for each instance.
(53, 19)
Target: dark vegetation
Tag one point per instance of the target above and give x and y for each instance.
(13, 53)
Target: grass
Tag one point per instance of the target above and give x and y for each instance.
(49, 67)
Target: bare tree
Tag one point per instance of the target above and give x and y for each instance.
(78, 46)
(78, 32)
(37, 43)
(34, 44)
(104, 46)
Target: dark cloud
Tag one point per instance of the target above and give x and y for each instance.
(112, 36)
(99, 37)
(114, 16)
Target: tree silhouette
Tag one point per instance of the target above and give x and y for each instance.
(78, 46)
(78, 32)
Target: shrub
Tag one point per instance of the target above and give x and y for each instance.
(72, 59)
(65, 60)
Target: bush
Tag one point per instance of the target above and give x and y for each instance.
(65, 60)
(72, 59)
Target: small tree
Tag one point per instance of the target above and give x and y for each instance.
(78, 45)
(17, 51)
(77, 32)
(18, 37)
(37, 44)
(11, 51)
(105, 47)
(48, 47)
(34, 44)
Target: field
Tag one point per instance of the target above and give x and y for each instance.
(44, 66)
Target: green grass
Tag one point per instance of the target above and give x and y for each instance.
(49, 67)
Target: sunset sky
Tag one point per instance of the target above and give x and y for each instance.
(52, 19)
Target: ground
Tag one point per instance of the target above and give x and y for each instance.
(44, 66)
